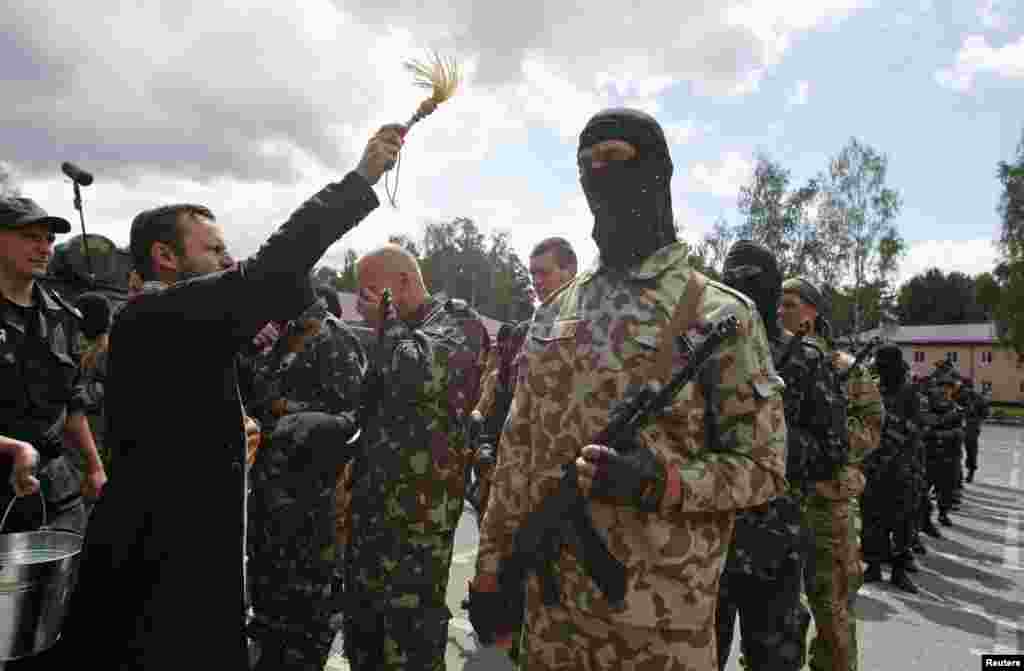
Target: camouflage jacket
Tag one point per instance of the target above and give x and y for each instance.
(588, 344)
(409, 477)
(864, 415)
(316, 365)
(815, 414)
(901, 435)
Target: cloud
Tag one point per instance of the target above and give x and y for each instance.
(970, 257)
(800, 94)
(725, 178)
(991, 17)
(976, 56)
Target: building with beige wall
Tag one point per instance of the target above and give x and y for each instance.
(974, 349)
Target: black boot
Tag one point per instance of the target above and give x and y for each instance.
(970, 475)
(929, 528)
(901, 580)
(910, 564)
(944, 519)
(873, 573)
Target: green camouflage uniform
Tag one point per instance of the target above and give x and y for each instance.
(834, 575)
(408, 485)
(294, 569)
(588, 345)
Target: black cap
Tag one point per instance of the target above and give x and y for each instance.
(16, 212)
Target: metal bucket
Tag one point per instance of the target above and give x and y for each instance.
(37, 574)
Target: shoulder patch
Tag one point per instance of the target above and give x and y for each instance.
(746, 300)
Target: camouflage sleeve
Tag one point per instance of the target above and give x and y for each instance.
(344, 368)
(744, 465)
(488, 381)
(865, 414)
(508, 501)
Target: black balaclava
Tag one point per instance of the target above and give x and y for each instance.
(630, 200)
(751, 268)
(892, 369)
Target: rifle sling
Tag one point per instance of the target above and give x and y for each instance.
(684, 318)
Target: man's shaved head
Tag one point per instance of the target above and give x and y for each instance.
(391, 267)
(388, 261)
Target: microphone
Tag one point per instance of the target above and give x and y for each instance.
(77, 175)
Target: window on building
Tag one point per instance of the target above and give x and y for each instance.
(986, 387)
(1022, 387)
(986, 357)
(953, 357)
(918, 357)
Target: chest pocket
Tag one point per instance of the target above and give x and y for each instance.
(49, 376)
(551, 357)
(12, 384)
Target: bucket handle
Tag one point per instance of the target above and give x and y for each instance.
(42, 500)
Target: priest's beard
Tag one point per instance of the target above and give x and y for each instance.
(632, 210)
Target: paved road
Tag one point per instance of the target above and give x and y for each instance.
(972, 584)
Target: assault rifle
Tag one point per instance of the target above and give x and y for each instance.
(564, 516)
(863, 353)
(791, 348)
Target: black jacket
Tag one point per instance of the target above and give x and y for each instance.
(160, 584)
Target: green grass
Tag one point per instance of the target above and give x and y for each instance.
(1006, 411)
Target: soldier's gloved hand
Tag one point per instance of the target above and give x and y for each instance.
(494, 614)
(633, 478)
(326, 437)
(23, 478)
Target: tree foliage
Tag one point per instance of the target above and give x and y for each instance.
(934, 297)
(1010, 272)
(863, 207)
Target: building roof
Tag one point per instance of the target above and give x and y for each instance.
(941, 334)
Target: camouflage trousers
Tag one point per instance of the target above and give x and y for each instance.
(889, 509)
(292, 624)
(831, 579)
(773, 620)
(397, 639)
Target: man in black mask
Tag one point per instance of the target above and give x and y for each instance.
(890, 471)
(666, 506)
(763, 575)
(625, 171)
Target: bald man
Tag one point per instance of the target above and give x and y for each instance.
(408, 480)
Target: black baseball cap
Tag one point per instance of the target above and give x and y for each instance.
(16, 212)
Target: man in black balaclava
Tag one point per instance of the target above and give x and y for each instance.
(630, 199)
(763, 575)
(892, 471)
(592, 341)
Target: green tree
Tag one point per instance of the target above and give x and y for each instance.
(987, 292)
(1010, 310)
(863, 207)
(936, 298)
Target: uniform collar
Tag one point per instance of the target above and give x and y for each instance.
(648, 269)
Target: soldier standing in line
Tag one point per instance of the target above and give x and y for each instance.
(316, 365)
(888, 502)
(834, 576)
(942, 436)
(668, 508)
(976, 410)
(763, 577)
(408, 481)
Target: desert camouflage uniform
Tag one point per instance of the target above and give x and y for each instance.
(408, 487)
(317, 365)
(835, 574)
(763, 577)
(588, 344)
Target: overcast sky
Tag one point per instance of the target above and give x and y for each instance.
(250, 107)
